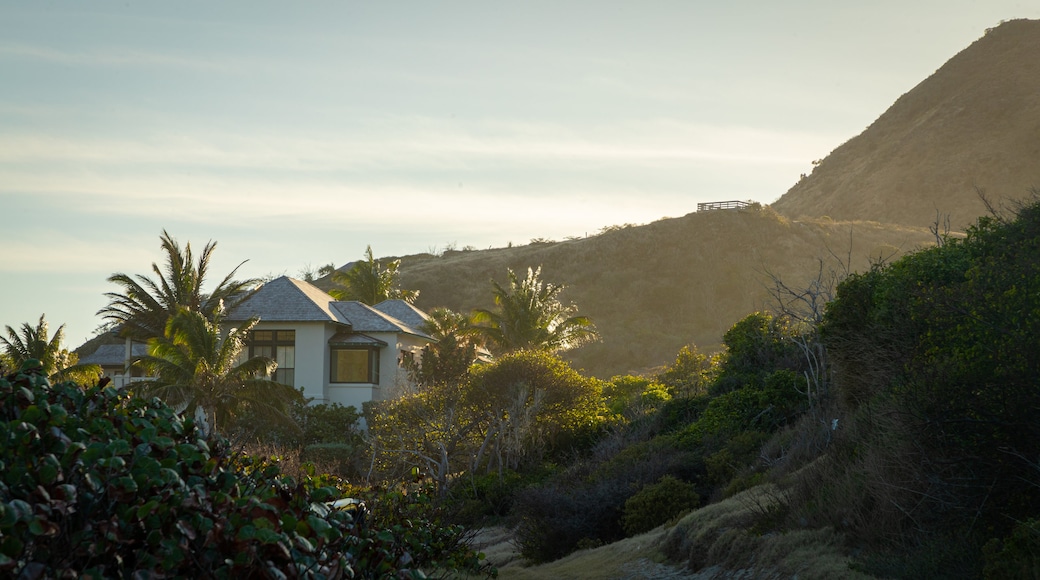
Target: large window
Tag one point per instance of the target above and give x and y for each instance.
(354, 365)
(279, 346)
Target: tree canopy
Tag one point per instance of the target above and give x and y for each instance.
(36, 343)
(144, 304)
(528, 314)
(197, 366)
(370, 282)
(449, 358)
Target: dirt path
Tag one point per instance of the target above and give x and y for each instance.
(630, 559)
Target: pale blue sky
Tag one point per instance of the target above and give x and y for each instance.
(298, 133)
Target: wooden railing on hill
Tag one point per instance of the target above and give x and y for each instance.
(711, 205)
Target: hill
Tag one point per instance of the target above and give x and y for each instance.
(974, 123)
(653, 289)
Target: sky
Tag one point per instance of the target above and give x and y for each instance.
(295, 134)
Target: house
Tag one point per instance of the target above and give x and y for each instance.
(113, 360)
(342, 352)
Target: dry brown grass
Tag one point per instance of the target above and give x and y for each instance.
(653, 289)
(288, 458)
(723, 535)
(972, 123)
(618, 560)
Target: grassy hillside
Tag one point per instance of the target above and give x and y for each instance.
(972, 123)
(655, 288)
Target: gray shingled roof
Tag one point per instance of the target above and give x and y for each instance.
(286, 299)
(110, 355)
(364, 318)
(403, 311)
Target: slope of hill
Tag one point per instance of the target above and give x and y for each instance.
(974, 122)
(653, 289)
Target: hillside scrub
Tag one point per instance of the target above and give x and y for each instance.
(504, 416)
(936, 380)
(706, 445)
(99, 483)
(921, 456)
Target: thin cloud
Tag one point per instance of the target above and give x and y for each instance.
(117, 58)
(420, 143)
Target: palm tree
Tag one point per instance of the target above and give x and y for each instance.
(528, 314)
(36, 343)
(198, 367)
(369, 282)
(448, 359)
(145, 305)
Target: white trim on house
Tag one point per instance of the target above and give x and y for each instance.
(323, 325)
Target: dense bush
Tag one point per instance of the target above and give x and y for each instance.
(557, 518)
(96, 482)
(941, 346)
(689, 375)
(1017, 555)
(631, 396)
(512, 414)
(756, 346)
(657, 503)
(711, 440)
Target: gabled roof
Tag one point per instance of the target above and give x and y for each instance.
(111, 355)
(365, 318)
(403, 311)
(287, 299)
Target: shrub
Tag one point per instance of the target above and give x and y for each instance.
(555, 519)
(1017, 555)
(633, 396)
(657, 503)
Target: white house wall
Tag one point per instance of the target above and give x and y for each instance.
(346, 394)
(311, 356)
(312, 364)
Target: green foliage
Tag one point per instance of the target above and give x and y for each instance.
(411, 530)
(490, 495)
(1017, 555)
(680, 412)
(95, 482)
(335, 423)
(448, 359)
(508, 414)
(536, 403)
(756, 346)
(738, 452)
(689, 375)
(528, 314)
(341, 459)
(633, 396)
(370, 282)
(945, 340)
(657, 503)
(763, 408)
(197, 365)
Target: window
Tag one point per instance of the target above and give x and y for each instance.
(279, 346)
(354, 365)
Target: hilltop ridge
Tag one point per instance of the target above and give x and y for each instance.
(974, 123)
(654, 288)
